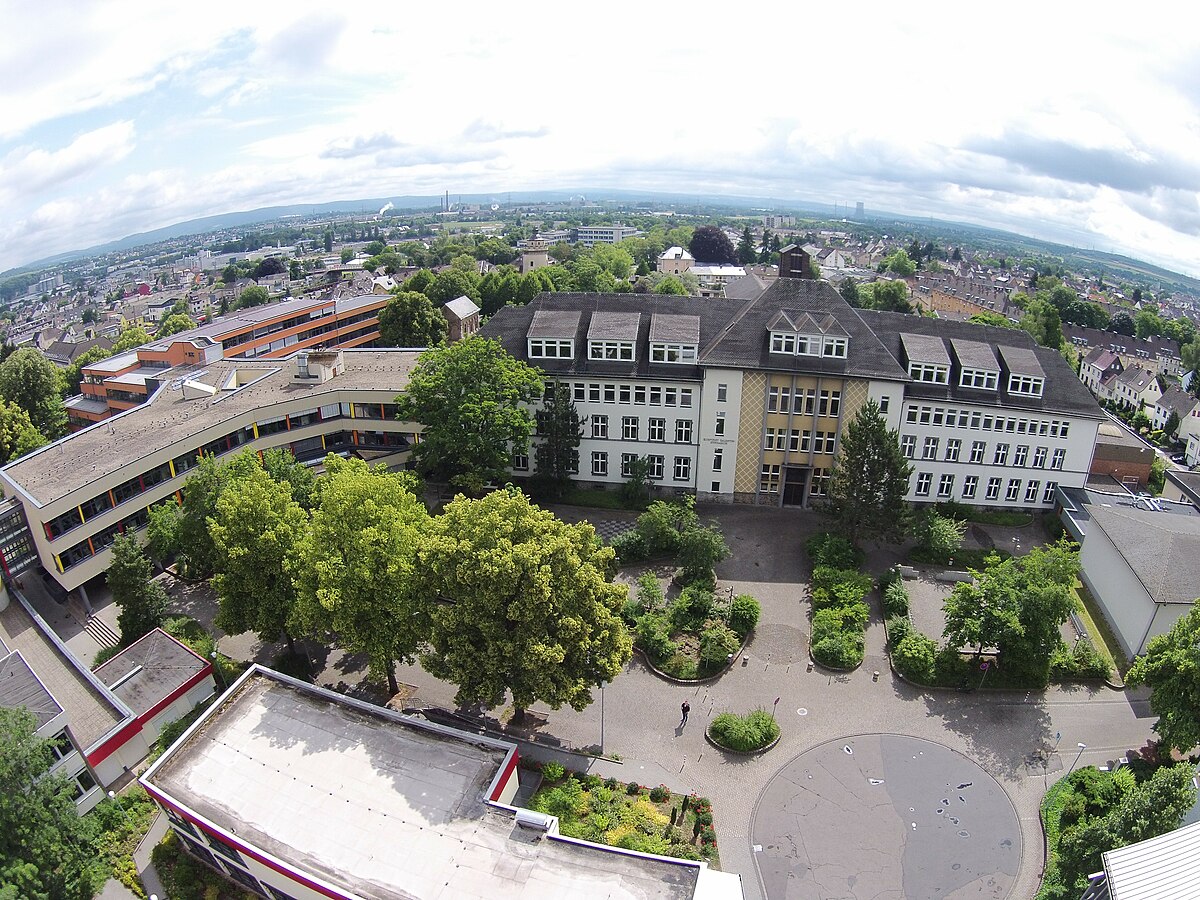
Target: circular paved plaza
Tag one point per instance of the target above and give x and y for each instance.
(887, 817)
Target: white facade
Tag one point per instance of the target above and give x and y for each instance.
(604, 234)
(720, 423)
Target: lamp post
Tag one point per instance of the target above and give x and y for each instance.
(602, 683)
(216, 666)
(112, 795)
(1081, 747)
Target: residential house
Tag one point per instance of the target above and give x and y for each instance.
(1136, 388)
(675, 261)
(1156, 353)
(462, 318)
(1174, 401)
(1096, 368)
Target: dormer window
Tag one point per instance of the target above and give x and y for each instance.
(674, 338)
(799, 334)
(835, 347)
(611, 350)
(978, 378)
(673, 353)
(544, 348)
(931, 374)
(783, 343)
(1025, 385)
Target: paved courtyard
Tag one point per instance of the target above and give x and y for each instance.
(1024, 741)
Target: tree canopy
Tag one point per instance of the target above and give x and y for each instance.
(142, 600)
(29, 381)
(411, 320)
(556, 455)
(709, 244)
(1042, 320)
(473, 399)
(131, 336)
(525, 604)
(1171, 667)
(174, 324)
(17, 434)
(901, 263)
(870, 478)
(252, 296)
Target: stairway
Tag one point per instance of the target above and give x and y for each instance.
(101, 633)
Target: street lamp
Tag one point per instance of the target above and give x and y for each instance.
(602, 683)
(216, 666)
(1082, 746)
(112, 795)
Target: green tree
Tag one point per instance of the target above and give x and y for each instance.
(355, 570)
(870, 479)
(252, 296)
(29, 381)
(347, 254)
(613, 259)
(17, 434)
(473, 399)
(295, 271)
(901, 263)
(1017, 606)
(256, 532)
(196, 554)
(452, 284)
(421, 280)
(994, 319)
(709, 244)
(131, 336)
(1171, 667)
(887, 295)
(1042, 321)
(1122, 323)
(174, 324)
(940, 536)
(1171, 426)
(527, 605)
(142, 600)
(327, 238)
(1147, 323)
(280, 464)
(410, 320)
(556, 455)
(745, 248)
(671, 285)
(45, 847)
(162, 531)
(849, 292)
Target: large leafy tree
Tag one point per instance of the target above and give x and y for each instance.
(709, 244)
(30, 381)
(473, 399)
(524, 603)
(17, 434)
(45, 847)
(870, 479)
(356, 571)
(1042, 321)
(254, 295)
(450, 285)
(131, 336)
(410, 320)
(256, 531)
(142, 600)
(174, 324)
(556, 456)
(1171, 666)
(1016, 605)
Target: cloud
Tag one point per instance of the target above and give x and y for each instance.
(484, 132)
(29, 170)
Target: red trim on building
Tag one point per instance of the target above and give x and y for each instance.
(509, 768)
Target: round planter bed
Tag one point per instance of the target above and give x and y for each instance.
(708, 737)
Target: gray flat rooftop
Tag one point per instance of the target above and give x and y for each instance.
(149, 670)
(168, 418)
(925, 348)
(19, 686)
(91, 714)
(668, 327)
(380, 805)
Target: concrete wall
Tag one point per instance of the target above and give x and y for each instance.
(1125, 602)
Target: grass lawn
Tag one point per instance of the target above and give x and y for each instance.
(1103, 638)
(600, 499)
(630, 816)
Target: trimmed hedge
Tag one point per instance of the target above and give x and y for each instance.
(744, 733)
(826, 549)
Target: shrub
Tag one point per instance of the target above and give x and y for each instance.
(839, 651)
(553, 771)
(743, 614)
(633, 788)
(940, 537)
(717, 642)
(631, 611)
(895, 599)
(591, 782)
(745, 733)
(839, 618)
(660, 794)
(611, 784)
(838, 587)
(693, 606)
(630, 547)
(705, 818)
(104, 655)
(700, 548)
(649, 592)
(915, 657)
(680, 665)
(661, 525)
(828, 549)
(898, 628)
(654, 636)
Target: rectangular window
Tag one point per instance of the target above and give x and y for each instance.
(930, 373)
(594, 393)
(782, 342)
(580, 391)
(656, 396)
(656, 467)
(930, 449)
(626, 394)
(599, 426)
(629, 428)
(716, 487)
(520, 461)
(945, 485)
(924, 479)
(1039, 458)
(719, 429)
(831, 402)
(627, 461)
(884, 402)
(1001, 457)
(926, 414)
(1027, 385)
(911, 415)
(969, 484)
(683, 431)
(794, 440)
(1048, 494)
(685, 398)
(1021, 456)
(835, 347)
(979, 378)
(978, 448)
(768, 480)
(1031, 491)
(819, 485)
(773, 400)
(658, 429)
(639, 395)
(993, 489)
(953, 448)
(613, 350)
(599, 463)
(610, 393)
(722, 393)
(670, 397)
(769, 439)
(908, 446)
(1014, 489)
(718, 459)
(1056, 462)
(673, 353)
(683, 468)
(540, 348)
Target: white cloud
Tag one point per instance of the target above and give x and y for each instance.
(30, 170)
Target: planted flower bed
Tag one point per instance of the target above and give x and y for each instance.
(840, 610)
(744, 734)
(630, 816)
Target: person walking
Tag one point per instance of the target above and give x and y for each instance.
(685, 708)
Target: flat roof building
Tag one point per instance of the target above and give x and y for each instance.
(295, 791)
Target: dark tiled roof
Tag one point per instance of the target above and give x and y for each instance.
(614, 326)
(975, 355)
(1136, 377)
(924, 348)
(670, 327)
(1094, 337)
(1063, 392)
(1177, 400)
(1021, 361)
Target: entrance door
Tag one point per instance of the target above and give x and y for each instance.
(795, 484)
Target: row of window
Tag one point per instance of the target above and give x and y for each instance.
(230, 863)
(798, 441)
(682, 470)
(970, 486)
(631, 429)
(123, 492)
(931, 373)
(330, 325)
(804, 402)
(980, 421)
(636, 394)
(660, 352)
(908, 445)
(808, 344)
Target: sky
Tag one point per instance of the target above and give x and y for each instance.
(1071, 122)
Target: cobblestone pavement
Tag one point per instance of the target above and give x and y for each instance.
(1023, 740)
